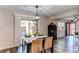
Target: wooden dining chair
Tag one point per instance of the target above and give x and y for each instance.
(36, 46)
(48, 44)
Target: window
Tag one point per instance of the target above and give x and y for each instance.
(61, 25)
(29, 25)
(72, 28)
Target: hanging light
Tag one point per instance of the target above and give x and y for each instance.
(37, 16)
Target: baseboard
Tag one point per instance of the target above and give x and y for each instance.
(9, 50)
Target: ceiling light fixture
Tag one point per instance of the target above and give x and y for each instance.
(36, 15)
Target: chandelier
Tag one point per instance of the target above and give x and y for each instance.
(36, 15)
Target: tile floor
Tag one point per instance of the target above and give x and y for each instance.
(60, 46)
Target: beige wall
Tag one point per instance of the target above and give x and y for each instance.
(43, 25)
(9, 29)
(17, 31)
(6, 29)
(64, 15)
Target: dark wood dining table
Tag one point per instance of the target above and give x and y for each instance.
(27, 41)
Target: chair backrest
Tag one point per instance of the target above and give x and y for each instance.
(36, 46)
(48, 42)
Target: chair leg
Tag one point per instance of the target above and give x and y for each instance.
(48, 50)
(51, 50)
(44, 51)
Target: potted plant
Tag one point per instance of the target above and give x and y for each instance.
(76, 33)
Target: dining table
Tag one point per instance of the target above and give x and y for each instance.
(27, 41)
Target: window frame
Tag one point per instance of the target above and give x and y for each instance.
(61, 25)
(30, 25)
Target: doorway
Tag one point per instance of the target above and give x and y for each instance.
(70, 28)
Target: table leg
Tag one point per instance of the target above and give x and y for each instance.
(52, 46)
(28, 47)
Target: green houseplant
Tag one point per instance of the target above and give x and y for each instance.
(76, 33)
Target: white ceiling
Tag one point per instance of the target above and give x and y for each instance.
(43, 10)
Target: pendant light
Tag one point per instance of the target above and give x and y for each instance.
(36, 15)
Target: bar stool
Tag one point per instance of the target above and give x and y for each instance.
(36, 46)
(48, 44)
